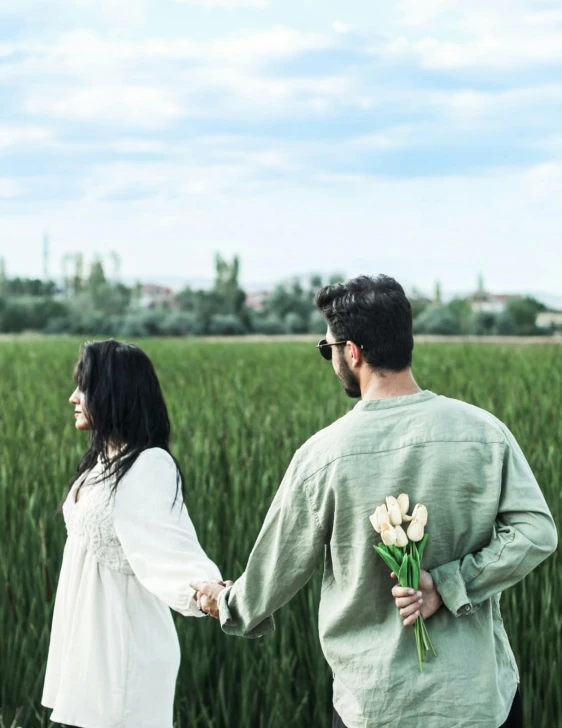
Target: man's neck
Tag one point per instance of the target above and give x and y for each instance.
(393, 384)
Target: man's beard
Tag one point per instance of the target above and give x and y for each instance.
(348, 379)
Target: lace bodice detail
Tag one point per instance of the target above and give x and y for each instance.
(91, 520)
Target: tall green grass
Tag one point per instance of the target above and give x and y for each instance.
(239, 411)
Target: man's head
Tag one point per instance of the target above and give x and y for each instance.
(372, 318)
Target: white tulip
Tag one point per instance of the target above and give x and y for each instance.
(394, 510)
(404, 502)
(420, 514)
(388, 534)
(401, 538)
(379, 517)
(415, 530)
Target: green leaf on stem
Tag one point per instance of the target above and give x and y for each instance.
(403, 573)
(415, 570)
(421, 547)
(397, 553)
(387, 558)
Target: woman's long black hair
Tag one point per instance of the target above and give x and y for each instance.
(124, 406)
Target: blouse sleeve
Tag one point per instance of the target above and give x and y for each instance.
(157, 535)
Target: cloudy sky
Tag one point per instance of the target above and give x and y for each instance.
(422, 139)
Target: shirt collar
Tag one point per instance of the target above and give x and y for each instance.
(389, 402)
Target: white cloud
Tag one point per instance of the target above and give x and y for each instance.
(11, 136)
(10, 188)
(139, 146)
(551, 143)
(183, 176)
(169, 220)
(545, 180)
(142, 106)
(227, 3)
(95, 77)
(471, 108)
(84, 50)
(91, 58)
(253, 89)
(340, 27)
(482, 35)
(491, 50)
(342, 178)
(112, 13)
(259, 160)
(266, 45)
(393, 138)
(420, 12)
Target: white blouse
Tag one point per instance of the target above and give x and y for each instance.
(114, 653)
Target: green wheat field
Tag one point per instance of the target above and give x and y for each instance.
(239, 411)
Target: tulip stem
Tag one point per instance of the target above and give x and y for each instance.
(429, 643)
(419, 644)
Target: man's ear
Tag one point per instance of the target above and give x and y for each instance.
(356, 354)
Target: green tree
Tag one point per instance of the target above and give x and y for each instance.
(229, 295)
(523, 312)
(96, 279)
(336, 278)
(32, 287)
(483, 323)
(461, 310)
(315, 283)
(3, 278)
(437, 320)
(14, 318)
(418, 302)
(111, 299)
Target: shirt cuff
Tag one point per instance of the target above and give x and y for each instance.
(452, 589)
(230, 625)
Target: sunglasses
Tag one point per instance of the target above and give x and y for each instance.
(325, 349)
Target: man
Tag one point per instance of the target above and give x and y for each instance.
(489, 526)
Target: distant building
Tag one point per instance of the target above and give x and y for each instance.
(549, 319)
(151, 295)
(256, 301)
(484, 302)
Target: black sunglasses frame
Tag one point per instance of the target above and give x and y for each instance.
(325, 348)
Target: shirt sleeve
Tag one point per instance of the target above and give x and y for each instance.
(157, 535)
(283, 559)
(524, 535)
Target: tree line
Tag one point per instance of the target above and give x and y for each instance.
(93, 304)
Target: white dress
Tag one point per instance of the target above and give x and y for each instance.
(114, 652)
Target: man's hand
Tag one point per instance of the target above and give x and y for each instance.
(207, 595)
(426, 601)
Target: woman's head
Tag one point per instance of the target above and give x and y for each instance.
(119, 400)
(118, 397)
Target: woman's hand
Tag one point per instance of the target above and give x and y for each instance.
(411, 603)
(207, 595)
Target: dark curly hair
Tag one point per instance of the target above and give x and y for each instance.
(373, 313)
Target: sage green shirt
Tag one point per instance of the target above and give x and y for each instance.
(489, 526)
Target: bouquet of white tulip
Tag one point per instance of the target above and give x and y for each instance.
(402, 551)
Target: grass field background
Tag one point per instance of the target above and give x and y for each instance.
(239, 411)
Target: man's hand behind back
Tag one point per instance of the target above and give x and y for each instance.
(411, 603)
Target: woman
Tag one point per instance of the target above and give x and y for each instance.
(131, 553)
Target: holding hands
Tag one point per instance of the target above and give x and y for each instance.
(207, 595)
